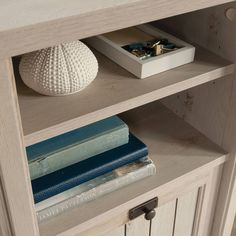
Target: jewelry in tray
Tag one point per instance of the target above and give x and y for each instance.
(152, 48)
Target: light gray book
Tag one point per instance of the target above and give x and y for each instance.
(95, 188)
(69, 148)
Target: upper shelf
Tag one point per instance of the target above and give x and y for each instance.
(113, 91)
(28, 25)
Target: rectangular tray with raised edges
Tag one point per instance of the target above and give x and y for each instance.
(111, 44)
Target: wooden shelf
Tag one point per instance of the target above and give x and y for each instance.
(113, 91)
(43, 23)
(179, 152)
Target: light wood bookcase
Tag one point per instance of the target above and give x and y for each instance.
(190, 131)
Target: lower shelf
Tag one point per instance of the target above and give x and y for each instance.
(179, 151)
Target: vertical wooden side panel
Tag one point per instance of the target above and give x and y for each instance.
(206, 202)
(138, 227)
(120, 231)
(5, 229)
(226, 203)
(185, 214)
(163, 223)
(233, 233)
(212, 108)
(14, 171)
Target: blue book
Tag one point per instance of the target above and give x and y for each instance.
(71, 176)
(69, 148)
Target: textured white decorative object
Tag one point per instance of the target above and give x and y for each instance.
(60, 70)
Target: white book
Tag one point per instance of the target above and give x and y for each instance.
(95, 188)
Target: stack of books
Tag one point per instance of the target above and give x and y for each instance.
(84, 164)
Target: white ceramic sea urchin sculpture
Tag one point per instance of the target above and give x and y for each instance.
(60, 70)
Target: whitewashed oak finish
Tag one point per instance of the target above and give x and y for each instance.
(163, 223)
(206, 203)
(43, 117)
(5, 228)
(183, 157)
(177, 217)
(14, 171)
(185, 214)
(233, 233)
(219, 36)
(120, 231)
(106, 227)
(39, 24)
(227, 198)
(138, 227)
(188, 105)
(43, 38)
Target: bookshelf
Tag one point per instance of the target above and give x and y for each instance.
(179, 152)
(110, 94)
(181, 145)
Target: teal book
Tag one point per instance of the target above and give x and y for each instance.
(73, 175)
(75, 146)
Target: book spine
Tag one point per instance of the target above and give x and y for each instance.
(96, 192)
(78, 153)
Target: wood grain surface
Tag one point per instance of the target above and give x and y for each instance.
(181, 154)
(113, 91)
(29, 25)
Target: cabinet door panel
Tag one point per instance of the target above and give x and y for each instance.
(185, 213)
(163, 223)
(120, 231)
(138, 227)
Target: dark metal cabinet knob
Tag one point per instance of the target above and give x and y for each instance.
(150, 215)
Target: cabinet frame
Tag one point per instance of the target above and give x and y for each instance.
(17, 198)
(14, 170)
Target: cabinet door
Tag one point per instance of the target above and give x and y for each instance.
(138, 227)
(176, 218)
(163, 223)
(185, 214)
(120, 231)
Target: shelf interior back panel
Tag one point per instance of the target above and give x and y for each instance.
(114, 90)
(178, 151)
